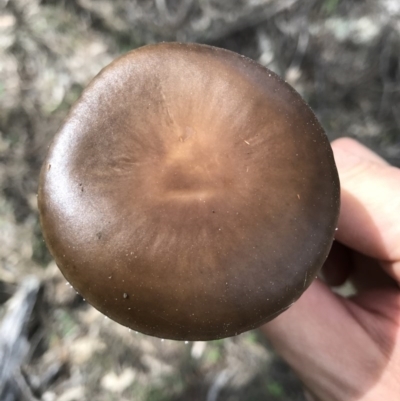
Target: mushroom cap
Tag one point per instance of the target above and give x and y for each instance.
(191, 193)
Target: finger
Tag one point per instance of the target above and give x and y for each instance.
(364, 272)
(310, 337)
(370, 210)
(353, 147)
(323, 333)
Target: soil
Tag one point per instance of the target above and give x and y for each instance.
(342, 56)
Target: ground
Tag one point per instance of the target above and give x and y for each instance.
(342, 56)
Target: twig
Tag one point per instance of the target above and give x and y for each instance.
(220, 382)
(14, 343)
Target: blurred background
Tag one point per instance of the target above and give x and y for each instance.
(342, 56)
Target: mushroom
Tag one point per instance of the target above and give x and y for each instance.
(191, 194)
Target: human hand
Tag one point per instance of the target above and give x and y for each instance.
(346, 349)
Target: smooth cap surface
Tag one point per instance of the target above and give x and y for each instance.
(191, 194)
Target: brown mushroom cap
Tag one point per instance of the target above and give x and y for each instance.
(191, 193)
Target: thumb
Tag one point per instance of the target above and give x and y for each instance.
(370, 204)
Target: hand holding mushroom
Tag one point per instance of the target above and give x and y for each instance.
(349, 349)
